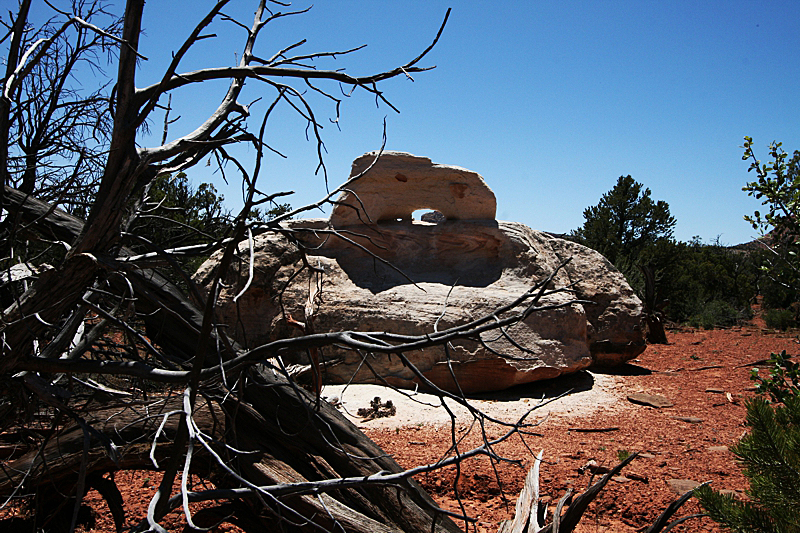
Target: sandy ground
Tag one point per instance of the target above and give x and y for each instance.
(705, 373)
(580, 395)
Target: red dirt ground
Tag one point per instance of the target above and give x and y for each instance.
(695, 371)
(691, 371)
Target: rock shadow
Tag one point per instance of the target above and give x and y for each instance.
(626, 369)
(549, 388)
(447, 253)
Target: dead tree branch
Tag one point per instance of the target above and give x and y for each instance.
(131, 362)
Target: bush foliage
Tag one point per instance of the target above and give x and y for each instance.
(706, 285)
(770, 452)
(770, 455)
(781, 319)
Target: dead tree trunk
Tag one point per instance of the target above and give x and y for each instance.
(653, 307)
(281, 440)
(267, 429)
(306, 467)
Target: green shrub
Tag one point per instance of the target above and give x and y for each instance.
(717, 314)
(781, 319)
(783, 381)
(770, 454)
(770, 451)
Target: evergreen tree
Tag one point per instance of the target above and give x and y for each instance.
(705, 284)
(770, 454)
(625, 222)
(174, 214)
(708, 284)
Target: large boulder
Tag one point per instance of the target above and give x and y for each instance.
(430, 276)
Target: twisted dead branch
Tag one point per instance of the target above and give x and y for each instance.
(110, 358)
(130, 370)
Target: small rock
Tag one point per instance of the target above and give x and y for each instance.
(682, 486)
(651, 400)
(728, 492)
(638, 477)
(620, 479)
(718, 449)
(335, 402)
(689, 419)
(594, 468)
(571, 455)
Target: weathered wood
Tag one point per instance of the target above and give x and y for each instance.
(324, 445)
(285, 439)
(594, 430)
(572, 516)
(653, 307)
(129, 429)
(526, 514)
(54, 224)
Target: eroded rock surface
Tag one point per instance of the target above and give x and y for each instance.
(399, 183)
(463, 267)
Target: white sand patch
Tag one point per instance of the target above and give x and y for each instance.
(590, 392)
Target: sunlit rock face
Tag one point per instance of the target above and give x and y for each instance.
(381, 271)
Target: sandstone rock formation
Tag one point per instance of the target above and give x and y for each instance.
(400, 183)
(462, 267)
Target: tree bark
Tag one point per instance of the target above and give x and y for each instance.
(273, 438)
(655, 329)
(653, 307)
(283, 437)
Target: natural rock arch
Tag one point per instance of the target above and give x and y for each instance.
(399, 183)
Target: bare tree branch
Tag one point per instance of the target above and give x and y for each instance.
(115, 342)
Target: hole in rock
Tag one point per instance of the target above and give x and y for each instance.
(428, 215)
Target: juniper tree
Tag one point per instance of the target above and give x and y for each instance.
(625, 222)
(622, 226)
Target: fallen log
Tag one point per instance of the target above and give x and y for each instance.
(266, 432)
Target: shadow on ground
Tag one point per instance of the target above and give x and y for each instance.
(623, 370)
(545, 389)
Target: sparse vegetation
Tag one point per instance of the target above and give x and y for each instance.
(783, 382)
(770, 455)
(770, 452)
(705, 285)
(781, 319)
(717, 313)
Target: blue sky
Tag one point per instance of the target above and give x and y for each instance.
(549, 101)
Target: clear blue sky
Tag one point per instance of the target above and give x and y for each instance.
(549, 101)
